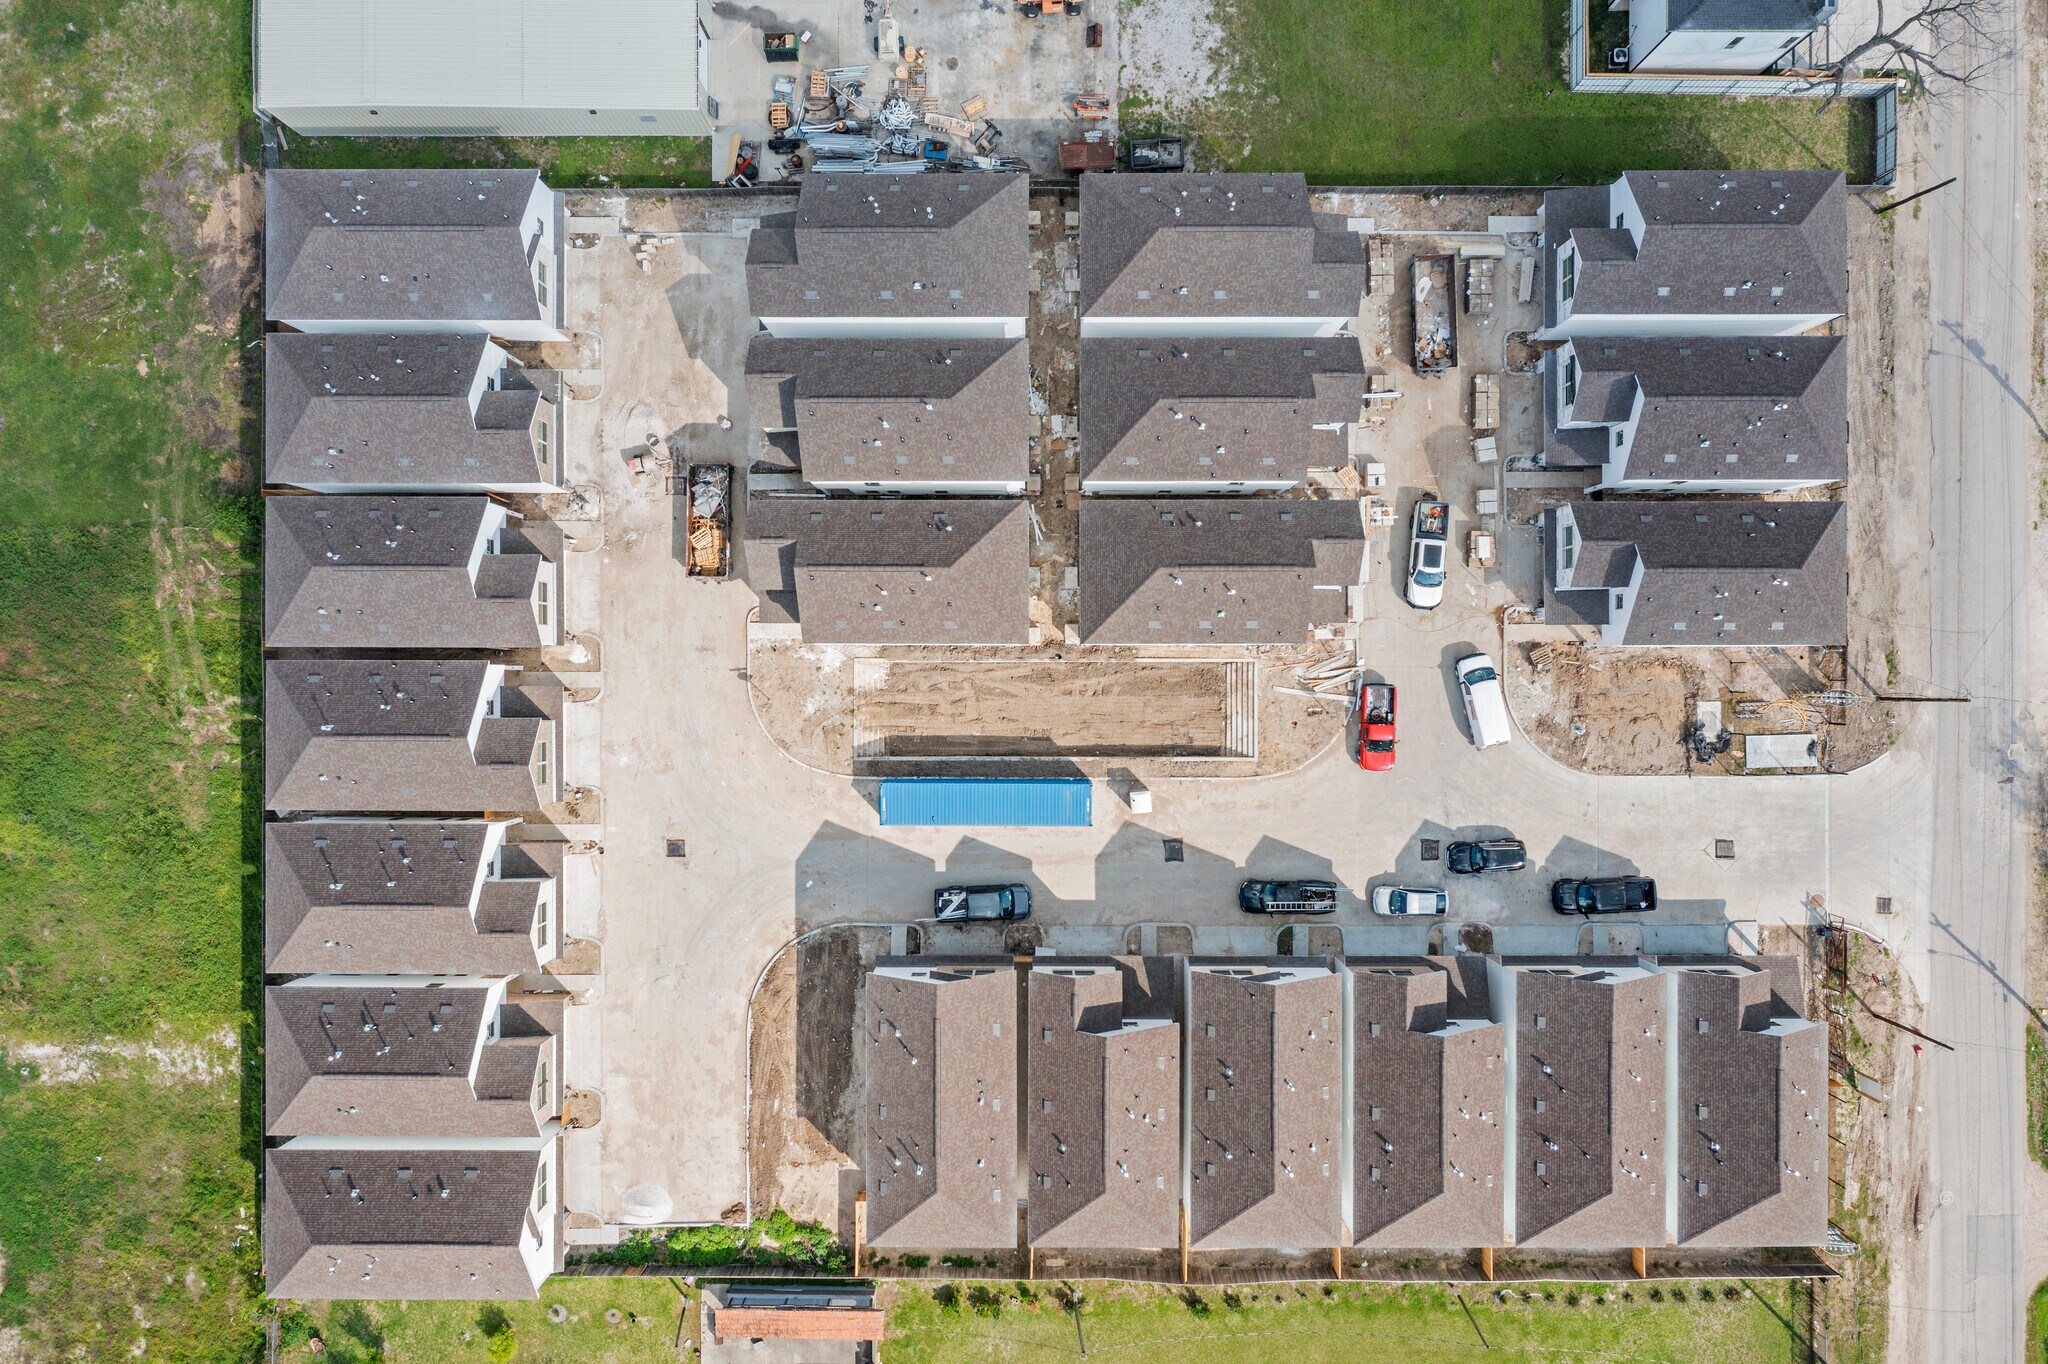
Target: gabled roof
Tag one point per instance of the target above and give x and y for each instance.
(893, 570)
(394, 897)
(927, 411)
(1751, 1108)
(384, 1057)
(1748, 16)
(1216, 410)
(394, 572)
(351, 735)
(1429, 1092)
(941, 1046)
(413, 245)
(1102, 1102)
(371, 1222)
(1254, 570)
(1721, 572)
(1266, 1101)
(1721, 407)
(1214, 245)
(394, 411)
(1714, 242)
(926, 246)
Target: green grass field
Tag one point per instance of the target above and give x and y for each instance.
(570, 163)
(454, 1332)
(1306, 1324)
(1466, 92)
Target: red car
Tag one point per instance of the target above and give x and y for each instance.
(1376, 726)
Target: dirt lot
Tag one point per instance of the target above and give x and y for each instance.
(1053, 335)
(1065, 709)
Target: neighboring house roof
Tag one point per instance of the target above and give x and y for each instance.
(432, 1222)
(1216, 410)
(1429, 1091)
(351, 735)
(927, 246)
(1254, 570)
(1589, 1048)
(1751, 1108)
(941, 1140)
(395, 573)
(394, 897)
(1103, 1054)
(434, 54)
(354, 1059)
(1717, 407)
(395, 411)
(893, 570)
(1202, 246)
(418, 245)
(1715, 242)
(1748, 16)
(895, 410)
(1265, 1100)
(1713, 572)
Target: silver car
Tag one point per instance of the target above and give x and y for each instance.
(1410, 902)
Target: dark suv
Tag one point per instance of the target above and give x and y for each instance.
(1486, 854)
(1609, 895)
(981, 904)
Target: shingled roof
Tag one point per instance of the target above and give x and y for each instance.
(1751, 1107)
(1748, 16)
(405, 897)
(1713, 408)
(943, 247)
(1231, 245)
(1103, 1102)
(1209, 410)
(941, 1160)
(893, 570)
(347, 736)
(450, 246)
(1266, 1103)
(433, 1221)
(1429, 1092)
(1253, 570)
(401, 412)
(1715, 243)
(389, 1056)
(1729, 574)
(942, 410)
(399, 573)
(1588, 1140)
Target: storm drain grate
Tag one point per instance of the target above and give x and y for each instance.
(1432, 849)
(1884, 904)
(676, 849)
(1724, 848)
(1176, 851)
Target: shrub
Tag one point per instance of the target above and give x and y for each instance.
(916, 1261)
(294, 1328)
(1194, 1302)
(1677, 1294)
(1731, 1291)
(946, 1296)
(1656, 1295)
(985, 1301)
(957, 1261)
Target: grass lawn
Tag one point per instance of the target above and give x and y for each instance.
(568, 163)
(127, 1184)
(2037, 1326)
(357, 1333)
(1471, 92)
(1308, 1324)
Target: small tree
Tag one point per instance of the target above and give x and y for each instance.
(1929, 45)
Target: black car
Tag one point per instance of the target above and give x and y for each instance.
(1486, 854)
(981, 904)
(1287, 897)
(1609, 895)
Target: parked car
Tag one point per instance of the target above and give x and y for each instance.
(1287, 897)
(981, 904)
(1410, 902)
(1486, 854)
(1427, 540)
(1486, 707)
(1607, 895)
(1376, 726)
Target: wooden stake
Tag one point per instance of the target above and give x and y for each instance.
(1337, 1262)
(1639, 1261)
(1486, 1262)
(860, 1227)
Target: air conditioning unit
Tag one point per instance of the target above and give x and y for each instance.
(1617, 59)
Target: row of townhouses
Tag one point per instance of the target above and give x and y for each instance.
(413, 1093)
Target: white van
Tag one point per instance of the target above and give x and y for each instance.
(1486, 706)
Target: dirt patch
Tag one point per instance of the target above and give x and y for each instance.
(1172, 52)
(165, 1060)
(1053, 336)
(1058, 709)
(215, 216)
(804, 1097)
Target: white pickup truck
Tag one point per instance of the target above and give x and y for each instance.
(1428, 544)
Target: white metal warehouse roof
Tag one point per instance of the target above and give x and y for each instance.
(608, 54)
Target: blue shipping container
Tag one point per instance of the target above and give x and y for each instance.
(1064, 802)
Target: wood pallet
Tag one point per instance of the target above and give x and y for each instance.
(974, 108)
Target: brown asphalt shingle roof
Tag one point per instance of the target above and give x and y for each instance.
(393, 573)
(936, 246)
(1266, 1098)
(893, 570)
(1102, 1102)
(1166, 247)
(941, 1161)
(1216, 409)
(1252, 570)
(1428, 1120)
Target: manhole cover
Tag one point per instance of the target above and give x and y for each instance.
(1432, 849)
(1724, 848)
(1175, 850)
(676, 849)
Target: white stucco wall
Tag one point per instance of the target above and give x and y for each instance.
(879, 327)
(1099, 324)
